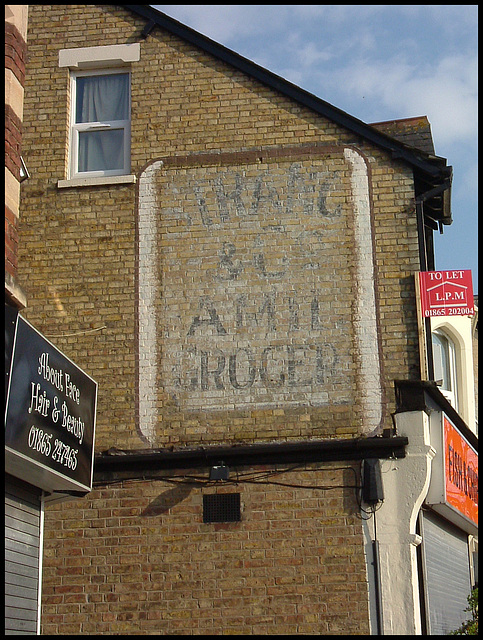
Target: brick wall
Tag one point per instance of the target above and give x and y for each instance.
(15, 57)
(13, 140)
(137, 558)
(15, 51)
(11, 242)
(184, 103)
(229, 349)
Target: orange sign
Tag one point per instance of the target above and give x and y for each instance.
(461, 473)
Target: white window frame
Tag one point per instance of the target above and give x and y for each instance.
(450, 394)
(460, 331)
(77, 128)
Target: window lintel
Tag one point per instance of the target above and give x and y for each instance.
(100, 57)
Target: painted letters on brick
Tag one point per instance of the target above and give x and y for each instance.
(254, 284)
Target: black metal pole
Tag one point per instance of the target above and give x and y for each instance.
(423, 265)
(377, 583)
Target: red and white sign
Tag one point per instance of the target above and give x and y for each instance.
(446, 293)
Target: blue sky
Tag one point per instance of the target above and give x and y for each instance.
(376, 62)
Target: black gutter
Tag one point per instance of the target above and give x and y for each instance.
(426, 262)
(435, 168)
(376, 561)
(425, 266)
(141, 461)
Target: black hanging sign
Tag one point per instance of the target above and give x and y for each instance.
(50, 415)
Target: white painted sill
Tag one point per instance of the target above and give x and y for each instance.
(95, 182)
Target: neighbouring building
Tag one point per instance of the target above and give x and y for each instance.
(48, 399)
(22, 500)
(235, 261)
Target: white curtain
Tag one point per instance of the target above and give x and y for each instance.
(102, 99)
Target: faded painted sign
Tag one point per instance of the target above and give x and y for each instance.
(246, 282)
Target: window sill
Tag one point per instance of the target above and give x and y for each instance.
(95, 182)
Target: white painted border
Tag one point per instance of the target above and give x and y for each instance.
(365, 321)
(148, 292)
(370, 388)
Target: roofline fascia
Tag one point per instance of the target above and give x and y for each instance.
(360, 128)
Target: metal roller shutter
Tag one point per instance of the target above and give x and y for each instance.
(447, 574)
(22, 557)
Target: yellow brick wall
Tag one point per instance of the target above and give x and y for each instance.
(296, 560)
(141, 560)
(79, 264)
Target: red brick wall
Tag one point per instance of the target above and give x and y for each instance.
(11, 242)
(13, 141)
(15, 59)
(15, 52)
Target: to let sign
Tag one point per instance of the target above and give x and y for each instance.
(446, 293)
(50, 414)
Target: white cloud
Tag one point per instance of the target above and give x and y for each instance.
(446, 93)
(227, 22)
(377, 62)
(363, 58)
(310, 55)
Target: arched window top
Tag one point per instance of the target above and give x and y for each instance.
(444, 361)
